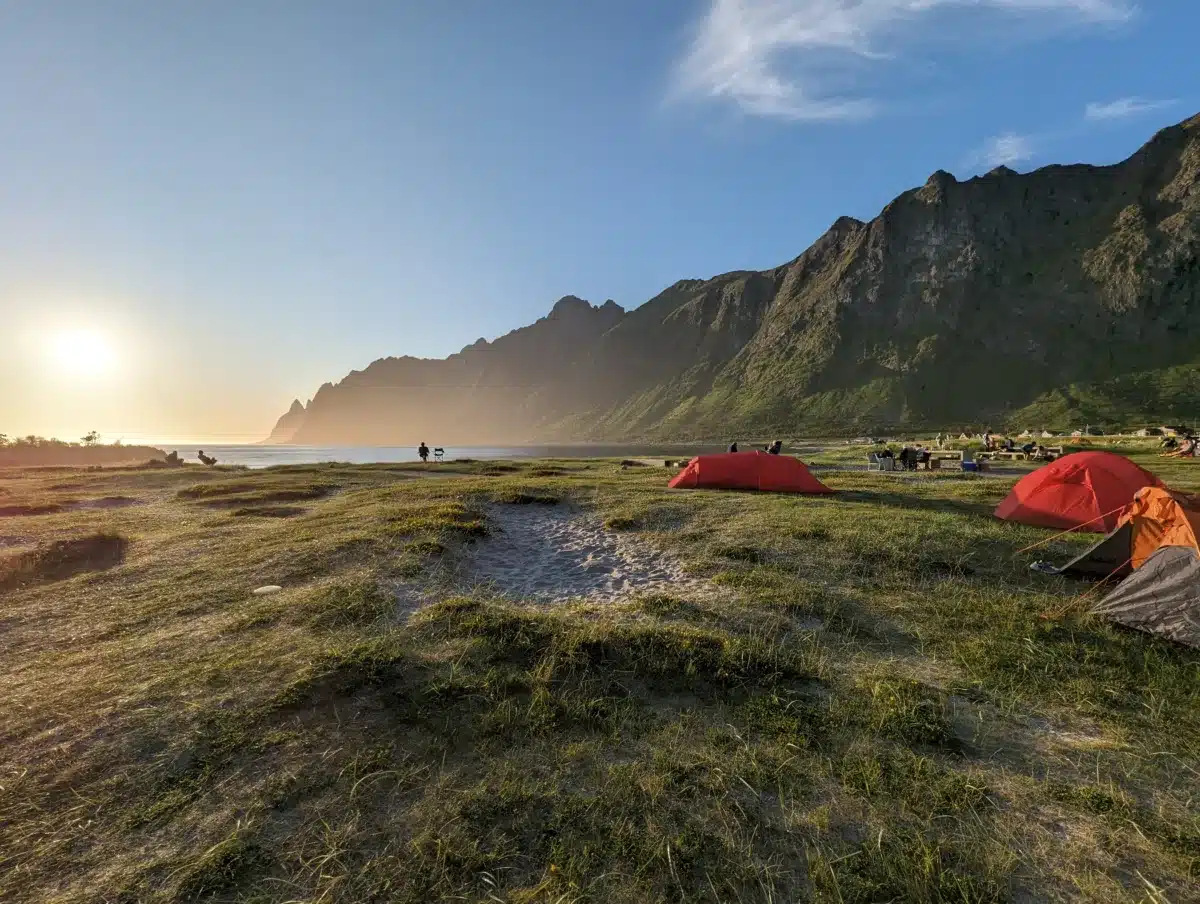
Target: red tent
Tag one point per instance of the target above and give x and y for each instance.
(1086, 490)
(748, 471)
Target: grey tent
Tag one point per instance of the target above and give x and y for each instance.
(1155, 554)
(1162, 597)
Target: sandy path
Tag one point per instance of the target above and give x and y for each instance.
(552, 554)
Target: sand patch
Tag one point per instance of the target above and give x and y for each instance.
(552, 554)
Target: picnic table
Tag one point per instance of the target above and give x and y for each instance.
(938, 456)
(1014, 455)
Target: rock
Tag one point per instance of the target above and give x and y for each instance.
(266, 590)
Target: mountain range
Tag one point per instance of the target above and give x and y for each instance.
(1068, 293)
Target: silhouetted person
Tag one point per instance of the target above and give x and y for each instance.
(775, 448)
(206, 459)
(733, 447)
(423, 451)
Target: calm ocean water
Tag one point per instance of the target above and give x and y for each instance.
(265, 456)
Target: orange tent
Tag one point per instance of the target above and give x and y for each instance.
(1155, 548)
(1084, 490)
(748, 471)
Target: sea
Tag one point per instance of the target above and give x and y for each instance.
(263, 456)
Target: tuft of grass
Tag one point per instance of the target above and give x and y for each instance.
(349, 603)
(516, 497)
(622, 522)
(220, 868)
(267, 511)
(425, 548)
(905, 865)
(908, 711)
(248, 493)
(18, 511)
(740, 553)
(664, 606)
(219, 488)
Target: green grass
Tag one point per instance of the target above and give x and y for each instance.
(870, 705)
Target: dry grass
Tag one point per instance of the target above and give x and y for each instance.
(873, 709)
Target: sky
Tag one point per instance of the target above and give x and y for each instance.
(209, 209)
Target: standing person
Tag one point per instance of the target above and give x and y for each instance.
(733, 446)
(423, 451)
(941, 441)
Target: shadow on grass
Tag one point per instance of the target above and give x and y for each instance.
(912, 501)
(62, 559)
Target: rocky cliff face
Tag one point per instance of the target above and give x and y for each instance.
(960, 302)
(286, 426)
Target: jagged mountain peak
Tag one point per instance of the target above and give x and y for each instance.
(959, 302)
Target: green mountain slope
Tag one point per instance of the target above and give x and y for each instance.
(961, 303)
(1150, 398)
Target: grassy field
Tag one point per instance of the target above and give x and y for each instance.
(877, 701)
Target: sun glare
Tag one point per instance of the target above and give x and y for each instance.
(82, 353)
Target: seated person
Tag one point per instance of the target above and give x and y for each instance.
(775, 448)
(924, 456)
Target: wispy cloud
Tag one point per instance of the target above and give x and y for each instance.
(793, 58)
(1004, 150)
(1125, 106)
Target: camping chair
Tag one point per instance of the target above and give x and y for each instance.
(876, 463)
(439, 453)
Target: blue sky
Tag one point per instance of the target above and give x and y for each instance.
(249, 198)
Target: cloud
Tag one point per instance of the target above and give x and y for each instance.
(798, 59)
(1004, 150)
(1125, 106)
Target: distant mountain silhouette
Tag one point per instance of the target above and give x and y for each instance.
(962, 302)
(288, 424)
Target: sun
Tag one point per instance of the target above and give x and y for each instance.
(84, 353)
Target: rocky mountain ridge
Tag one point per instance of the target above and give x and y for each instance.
(960, 303)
